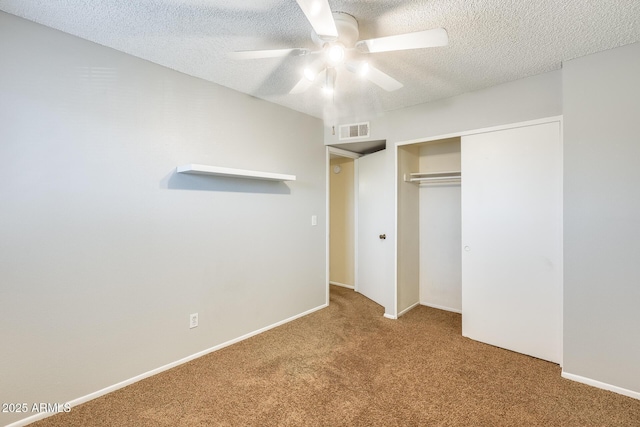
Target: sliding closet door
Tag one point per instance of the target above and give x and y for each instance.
(512, 239)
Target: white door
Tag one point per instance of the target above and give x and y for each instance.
(375, 219)
(512, 239)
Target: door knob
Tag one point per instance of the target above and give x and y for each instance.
(383, 236)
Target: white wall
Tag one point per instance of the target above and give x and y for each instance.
(105, 250)
(602, 217)
(521, 100)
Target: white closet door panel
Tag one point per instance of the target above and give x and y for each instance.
(512, 239)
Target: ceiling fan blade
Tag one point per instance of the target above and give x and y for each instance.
(374, 75)
(301, 86)
(270, 53)
(417, 40)
(319, 15)
(383, 80)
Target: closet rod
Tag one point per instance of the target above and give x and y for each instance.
(434, 178)
(451, 181)
(429, 174)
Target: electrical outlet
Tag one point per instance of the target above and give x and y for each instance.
(193, 320)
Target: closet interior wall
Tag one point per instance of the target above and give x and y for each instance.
(408, 279)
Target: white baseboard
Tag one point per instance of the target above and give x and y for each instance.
(411, 307)
(342, 285)
(442, 307)
(604, 386)
(390, 316)
(114, 387)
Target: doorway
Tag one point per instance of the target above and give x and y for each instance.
(372, 219)
(342, 204)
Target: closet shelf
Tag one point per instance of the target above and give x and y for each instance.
(435, 177)
(197, 169)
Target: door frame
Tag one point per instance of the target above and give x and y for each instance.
(355, 156)
(535, 122)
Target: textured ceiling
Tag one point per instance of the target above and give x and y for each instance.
(491, 42)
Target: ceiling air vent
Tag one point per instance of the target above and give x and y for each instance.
(354, 130)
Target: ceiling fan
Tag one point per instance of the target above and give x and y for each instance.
(337, 34)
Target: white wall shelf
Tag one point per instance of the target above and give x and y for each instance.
(197, 169)
(446, 176)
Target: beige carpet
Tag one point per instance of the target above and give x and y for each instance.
(348, 366)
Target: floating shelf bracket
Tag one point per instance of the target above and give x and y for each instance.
(193, 168)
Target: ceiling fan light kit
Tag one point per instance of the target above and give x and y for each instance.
(314, 67)
(335, 54)
(337, 36)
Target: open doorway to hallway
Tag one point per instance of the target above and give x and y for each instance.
(342, 221)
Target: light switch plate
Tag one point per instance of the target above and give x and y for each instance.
(193, 320)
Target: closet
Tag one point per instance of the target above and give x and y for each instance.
(480, 232)
(430, 226)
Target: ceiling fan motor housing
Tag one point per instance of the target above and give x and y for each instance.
(347, 27)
